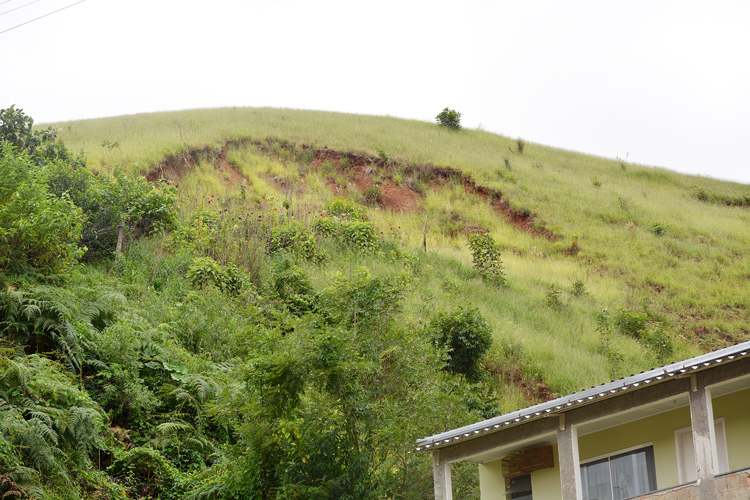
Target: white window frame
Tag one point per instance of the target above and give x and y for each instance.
(722, 450)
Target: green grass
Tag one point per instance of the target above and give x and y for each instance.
(647, 242)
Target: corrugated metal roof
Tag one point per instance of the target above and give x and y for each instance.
(587, 396)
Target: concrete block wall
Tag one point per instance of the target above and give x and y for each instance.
(728, 487)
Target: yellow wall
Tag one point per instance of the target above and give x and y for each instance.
(658, 430)
(491, 481)
(735, 408)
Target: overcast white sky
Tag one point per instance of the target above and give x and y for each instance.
(667, 82)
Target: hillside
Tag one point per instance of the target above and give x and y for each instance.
(282, 304)
(674, 241)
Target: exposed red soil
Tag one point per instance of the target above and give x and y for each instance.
(359, 169)
(398, 198)
(402, 198)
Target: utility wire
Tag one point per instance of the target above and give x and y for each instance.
(21, 7)
(40, 17)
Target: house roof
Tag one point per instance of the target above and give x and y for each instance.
(587, 396)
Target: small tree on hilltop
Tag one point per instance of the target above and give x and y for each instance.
(449, 118)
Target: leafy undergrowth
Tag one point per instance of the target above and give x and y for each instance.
(285, 319)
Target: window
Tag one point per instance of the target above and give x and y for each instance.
(619, 476)
(520, 488)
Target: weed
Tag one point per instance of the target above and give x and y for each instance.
(578, 288)
(520, 145)
(371, 195)
(554, 297)
(450, 285)
(658, 229)
(384, 155)
(506, 161)
(344, 163)
(596, 182)
(327, 167)
(485, 254)
(624, 203)
(623, 165)
(613, 355)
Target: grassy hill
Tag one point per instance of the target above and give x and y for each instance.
(279, 337)
(647, 239)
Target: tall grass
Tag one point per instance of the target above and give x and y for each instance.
(645, 240)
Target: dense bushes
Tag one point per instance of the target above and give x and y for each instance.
(52, 208)
(37, 229)
(465, 337)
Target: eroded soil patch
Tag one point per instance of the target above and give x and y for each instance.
(360, 170)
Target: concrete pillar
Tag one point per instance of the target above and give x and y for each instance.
(704, 441)
(441, 475)
(569, 461)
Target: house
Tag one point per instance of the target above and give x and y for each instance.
(673, 433)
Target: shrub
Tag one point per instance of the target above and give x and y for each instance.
(485, 254)
(631, 324)
(297, 239)
(293, 287)
(371, 195)
(653, 335)
(204, 271)
(384, 155)
(658, 340)
(449, 118)
(554, 297)
(37, 229)
(343, 207)
(360, 236)
(363, 301)
(465, 336)
(578, 288)
(658, 229)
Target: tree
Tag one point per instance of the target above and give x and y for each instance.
(485, 254)
(37, 229)
(465, 336)
(17, 128)
(449, 118)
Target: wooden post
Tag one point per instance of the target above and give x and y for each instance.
(120, 239)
